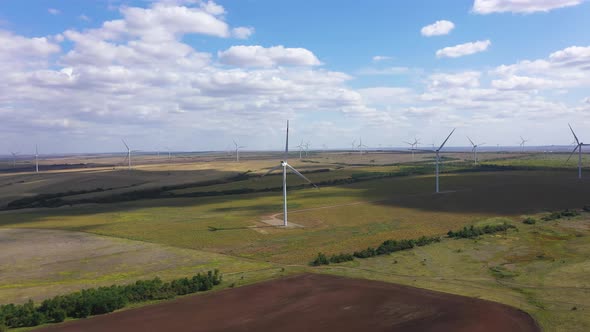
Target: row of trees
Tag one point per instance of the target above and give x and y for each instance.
(102, 300)
(386, 247)
(473, 231)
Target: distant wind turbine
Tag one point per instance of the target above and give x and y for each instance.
(36, 159)
(285, 165)
(307, 148)
(361, 146)
(522, 142)
(413, 146)
(578, 147)
(474, 150)
(238, 147)
(14, 154)
(301, 146)
(353, 145)
(129, 151)
(437, 151)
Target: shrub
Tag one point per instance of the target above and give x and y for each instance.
(340, 258)
(472, 231)
(529, 221)
(321, 259)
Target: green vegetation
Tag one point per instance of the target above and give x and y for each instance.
(473, 231)
(529, 221)
(567, 213)
(102, 300)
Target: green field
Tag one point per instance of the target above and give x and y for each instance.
(361, 206)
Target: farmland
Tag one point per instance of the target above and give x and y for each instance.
(199, 220)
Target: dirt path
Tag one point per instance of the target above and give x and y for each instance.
(311, 302)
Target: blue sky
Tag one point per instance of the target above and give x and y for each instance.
(192, 75)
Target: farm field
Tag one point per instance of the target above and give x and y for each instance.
(360, 205)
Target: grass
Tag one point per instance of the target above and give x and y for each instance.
(523, 269)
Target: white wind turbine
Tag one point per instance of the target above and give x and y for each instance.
(300, 146)
(14, 154)
(578, 147)
(474, 150)
(285, 165)
(129, 151)
(307, 148)
(413, 146)
(238, 147)
(361, 146)
(522, 142)
(353, 145)
(437, 151)
(36, 159)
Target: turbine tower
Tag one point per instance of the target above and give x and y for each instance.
(300, 146)
(285, 165)
(36, 159)
(578, 147)
(361, 146)
(474, 150)
(128, 157)
(352, 145)
(238, 147)
(14, 154)
(522, 141)
(437, 151)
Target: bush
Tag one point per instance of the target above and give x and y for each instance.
(529, 221)
(321, 259)
(472, 231)
(558, 215)
(341, 258)
(97, 301)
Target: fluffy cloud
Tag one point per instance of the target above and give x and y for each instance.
(242, 32)
(468, 79)
(438, 28)
(258, 56)
(463, 49)
(520, 6)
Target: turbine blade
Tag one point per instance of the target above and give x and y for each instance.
(470, 141)
(571, 154)
(576, 137)
(271, 170)
(301, 175)
(443, 144)
(287, 142)
(122, 140)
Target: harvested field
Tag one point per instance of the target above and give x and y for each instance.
(312, 302)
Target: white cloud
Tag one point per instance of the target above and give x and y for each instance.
(242, 32)
(521, 6)
(468, 79)
(463, 49)
(258, 56)
(53, 11)
(84, 18)
(378, 58)
(438, 28)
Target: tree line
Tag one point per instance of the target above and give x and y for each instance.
(390, 246)
(102, 300)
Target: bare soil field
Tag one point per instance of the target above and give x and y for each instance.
(312, 302)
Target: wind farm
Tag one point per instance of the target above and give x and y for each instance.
(221, 166)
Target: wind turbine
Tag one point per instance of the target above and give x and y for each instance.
(128, 157)
(307, 148)
(238, 147)
(474, 150)
(413, 146)
(300, 146)
(578, 147)
(361, 145)
(36, 159)
(285, 165)
(352, 145)
(437, 151)
(522, 141)
(14, 154)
